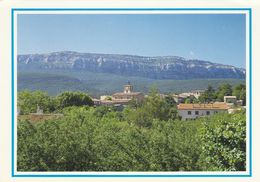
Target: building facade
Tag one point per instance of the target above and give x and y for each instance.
(120, 98)
(230, 99)
(193, 111)
(127, 94)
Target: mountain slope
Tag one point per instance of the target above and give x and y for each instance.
(168, 67)
(97, 84)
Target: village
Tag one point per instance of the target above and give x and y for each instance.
(129, 92)
(185, 110)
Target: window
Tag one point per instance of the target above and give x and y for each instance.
(196, 112)
(189, 112)
(208, 112)
(215, 112)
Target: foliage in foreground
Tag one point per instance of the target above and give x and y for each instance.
(224, 143)
(146, 136)
(84, 140)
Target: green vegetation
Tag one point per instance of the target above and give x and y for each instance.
(146, 136)
(212, 95)
(67, 99)
(223, 90)
(240, 92)
(208, 96)
(97, 84)
(28, 101)
(224, 143)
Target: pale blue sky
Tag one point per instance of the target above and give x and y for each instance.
(218, 38)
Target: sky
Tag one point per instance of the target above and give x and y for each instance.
(219, 38)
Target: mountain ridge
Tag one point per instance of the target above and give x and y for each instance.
(154, 67)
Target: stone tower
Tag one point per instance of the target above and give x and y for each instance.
(128, 88)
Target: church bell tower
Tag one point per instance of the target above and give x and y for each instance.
(128, 88)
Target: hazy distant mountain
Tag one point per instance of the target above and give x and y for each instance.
(166, 67)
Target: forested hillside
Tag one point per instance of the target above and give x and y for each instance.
(97, 84)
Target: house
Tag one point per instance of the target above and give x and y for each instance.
(96, 101)
(194, 93)
(105, 97)
(230, 99)
(193, 111)
(178, 98)
(197, 93)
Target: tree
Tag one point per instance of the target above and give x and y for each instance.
(28, 149)
(156, 106)
(240, 92)
(188, 100)
(152, 107)
(224, 142)
(208, 96)
(66, 144)
(174, 146)
(170, 101)
(28, 101)
(224, 90)
(195, 100)
(67, 99)
(134, 103)
(141, 138)
(101, 111)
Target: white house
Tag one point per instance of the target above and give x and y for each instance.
(193, 111)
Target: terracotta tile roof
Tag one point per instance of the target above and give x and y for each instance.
(219, 106)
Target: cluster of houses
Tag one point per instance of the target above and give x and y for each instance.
(186, 111)
(180, 98)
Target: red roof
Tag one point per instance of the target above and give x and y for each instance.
(214, 106)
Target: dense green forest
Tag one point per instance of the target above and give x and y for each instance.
(144, 136)
(97, 84)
